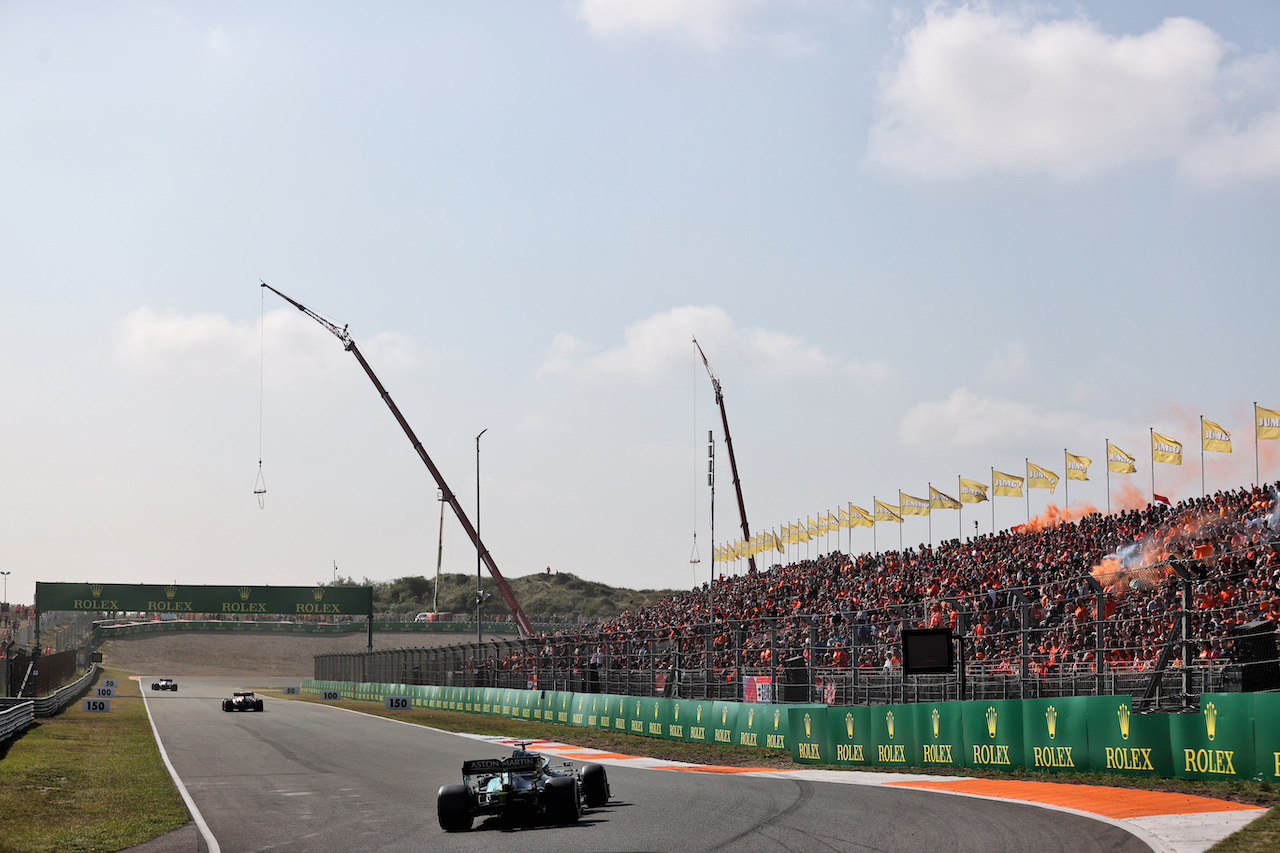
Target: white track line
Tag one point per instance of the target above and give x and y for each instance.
(182, 789)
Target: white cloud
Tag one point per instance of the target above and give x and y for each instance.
(709, 24)
(966, 421)
(662, 345)
(976, 90)
(158, 342)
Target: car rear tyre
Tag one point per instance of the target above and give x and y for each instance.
(226, 704)
(453, 808)
(257, 705)
(562, 800)
(595, 785)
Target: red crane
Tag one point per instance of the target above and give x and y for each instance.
(522, 621)
(733, 464)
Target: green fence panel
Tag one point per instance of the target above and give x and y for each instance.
(691, 720)
(1266, 710)
(559, 709)
(848, 737)
(808, 730)
(749, 731)
(1216, 743)
(609, 706)
(1056, 734)
(643, 715)
(939, 735)
(893, 736)
(724, 721)
(1126, 743)
(776, 728)
(993, 734)
(580, 709)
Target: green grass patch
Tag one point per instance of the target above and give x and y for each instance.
(88, 783)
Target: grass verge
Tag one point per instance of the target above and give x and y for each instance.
(1260, 836)
(88, 783)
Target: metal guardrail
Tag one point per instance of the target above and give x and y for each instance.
(16, 718)
(23, 712)
(47, 706)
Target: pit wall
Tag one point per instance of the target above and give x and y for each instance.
(1230, 738)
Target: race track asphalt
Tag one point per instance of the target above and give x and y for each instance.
(302, 776)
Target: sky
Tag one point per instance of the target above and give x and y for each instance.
(917, 242)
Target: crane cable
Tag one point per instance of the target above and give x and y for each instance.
(260, 487)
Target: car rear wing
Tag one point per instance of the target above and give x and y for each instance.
(514, 764)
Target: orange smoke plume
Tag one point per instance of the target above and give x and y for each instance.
(1053, 516)
(1130, 498)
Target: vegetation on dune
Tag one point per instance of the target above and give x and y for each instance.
(544, 597)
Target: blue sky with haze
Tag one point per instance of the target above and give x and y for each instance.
(917, 241)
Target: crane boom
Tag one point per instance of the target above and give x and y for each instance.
(522, 622)
(733, 463)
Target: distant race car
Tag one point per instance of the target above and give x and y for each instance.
(165, 684)
(242, 700)
(522, 786)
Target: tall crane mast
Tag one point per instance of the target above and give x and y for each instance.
(733, 463)
(522, 622)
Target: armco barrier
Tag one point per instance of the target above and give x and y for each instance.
(1060, 735)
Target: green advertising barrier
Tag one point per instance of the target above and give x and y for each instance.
(185, 598)
(1266, 707)
(1216, 743)
(761, 726)
(808, 729)
(1126, 743)
(561, 708)
(654, 714)
(893, 736)
(848, 737)
(1056, 734)
(993, 734)
(690, 720)
(939, 735)
(724, 721)
(609, 705)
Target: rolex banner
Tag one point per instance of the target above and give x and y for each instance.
(940, 735)
(1056, 734)
(178, 598)
(1126, 743)
(993, 734)
(1216, 743)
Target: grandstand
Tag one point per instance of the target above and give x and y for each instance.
(1063, 608)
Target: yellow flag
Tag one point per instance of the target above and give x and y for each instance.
(1041, 478)
(802, 533)
(1119, 462)
(1078, 467)
(937, 500)
(1165, 449)
(812, 529)
(859, 517)
(972, 492)
(1215, 437)
(777, 543)
(912, 506)
(824, 524)
(1268, 422)
(1006, 485)
(887, 512)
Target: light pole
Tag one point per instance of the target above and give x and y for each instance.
(479, 588)
(6, 595)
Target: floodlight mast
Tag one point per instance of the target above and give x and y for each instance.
(522, 622)
(733, 464)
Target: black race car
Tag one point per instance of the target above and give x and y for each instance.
(165, 684)
(523, 786)
(242, 700)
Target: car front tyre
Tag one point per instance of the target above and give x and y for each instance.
(595, 785)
